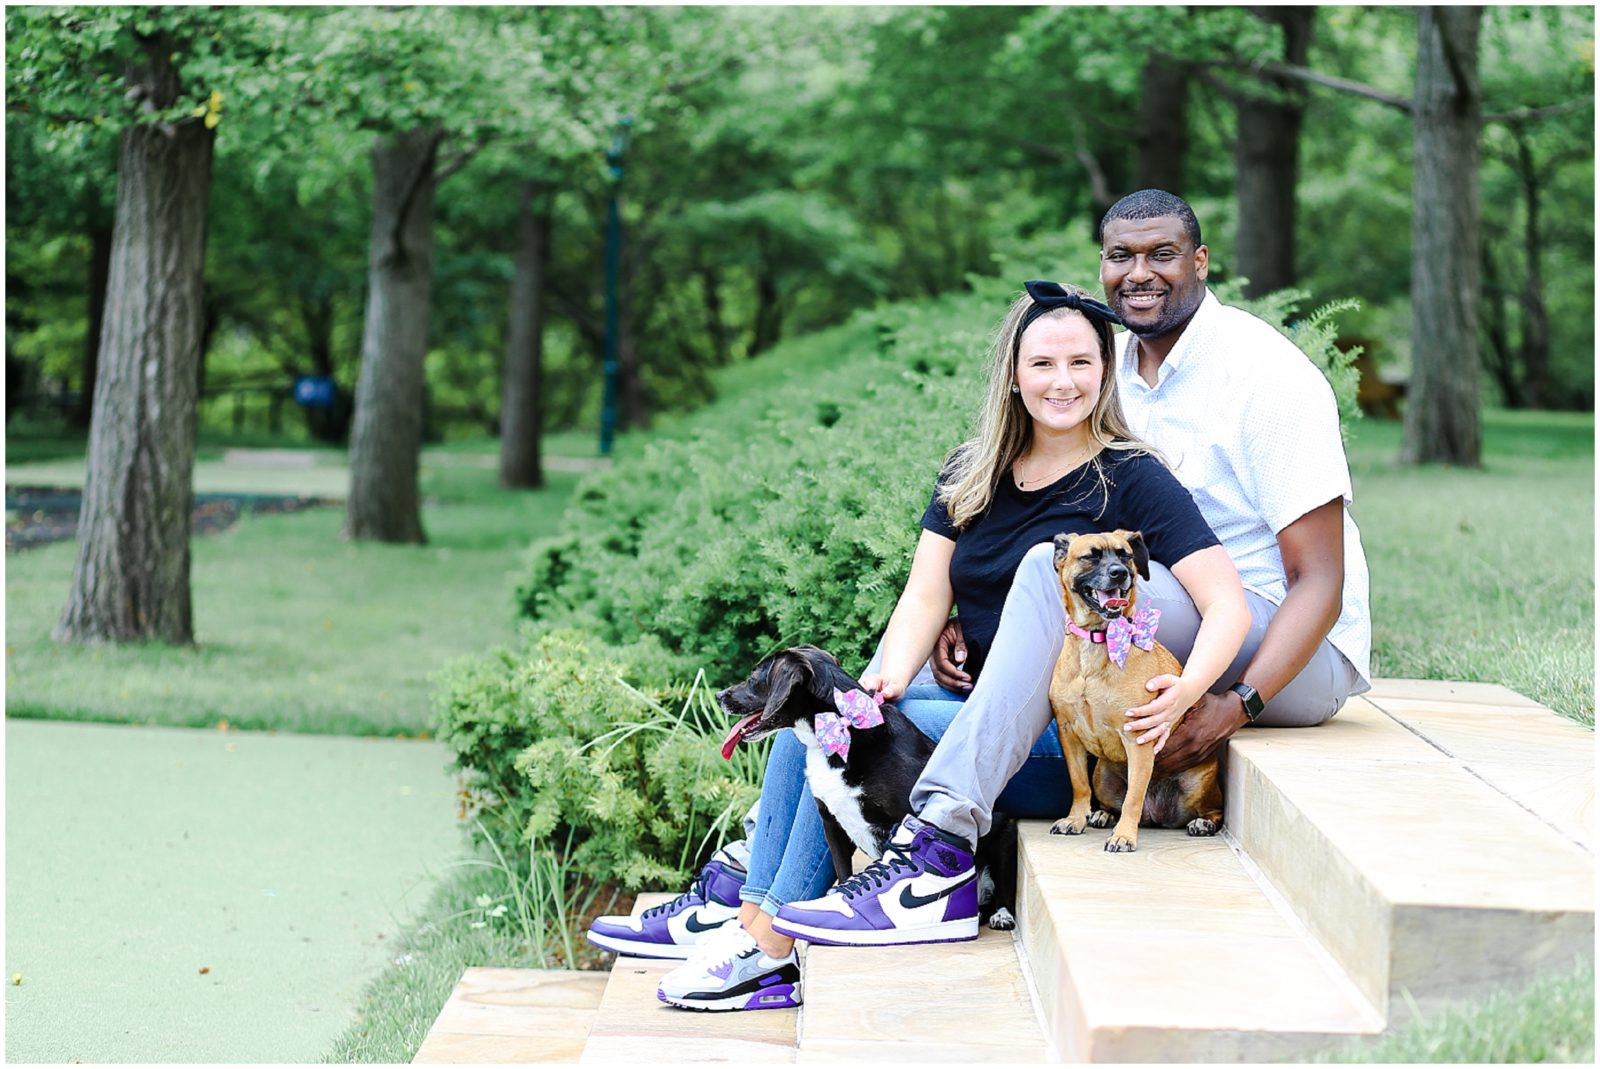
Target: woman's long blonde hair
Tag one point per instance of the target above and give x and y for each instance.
(1005, 430)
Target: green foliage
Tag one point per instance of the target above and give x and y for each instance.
(570, 761)
(789, 515)
(1314, 334)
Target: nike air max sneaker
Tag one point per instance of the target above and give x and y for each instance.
(733, 973)
(676, 928)
(923, 890)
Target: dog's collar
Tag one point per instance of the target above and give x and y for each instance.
(1097, 637)
(1122, 633)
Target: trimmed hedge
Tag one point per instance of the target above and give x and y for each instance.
(791, 515)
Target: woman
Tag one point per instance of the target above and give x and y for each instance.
(1052, 454)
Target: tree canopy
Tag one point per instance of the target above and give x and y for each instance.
(785, 167)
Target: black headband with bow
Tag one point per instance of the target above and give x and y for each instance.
(1048, 296)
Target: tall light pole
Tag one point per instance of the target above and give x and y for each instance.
(608, 404)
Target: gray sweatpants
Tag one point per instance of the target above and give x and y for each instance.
(1009, 707)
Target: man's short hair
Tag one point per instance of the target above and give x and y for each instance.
(1153, 204)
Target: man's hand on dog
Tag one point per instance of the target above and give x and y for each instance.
(1206, 726)
(949, 654)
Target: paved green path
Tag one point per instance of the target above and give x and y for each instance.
(284, 472)
(138, 856)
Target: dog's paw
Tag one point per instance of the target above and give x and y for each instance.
(1201, 826)
(1067, 826)
(1101, 819)
(1121, 844)
(1002, 920)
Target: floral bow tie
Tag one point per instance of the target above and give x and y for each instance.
(1141, 632)
(856, 709)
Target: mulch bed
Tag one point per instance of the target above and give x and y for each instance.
(45, 514)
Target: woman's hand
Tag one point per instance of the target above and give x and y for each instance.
(1156, 719)
(891, 689)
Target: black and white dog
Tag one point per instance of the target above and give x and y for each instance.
(863, 792)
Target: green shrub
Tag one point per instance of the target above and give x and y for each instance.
(788, 513)
(581, 756)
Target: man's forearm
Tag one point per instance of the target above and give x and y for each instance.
(1307, 614)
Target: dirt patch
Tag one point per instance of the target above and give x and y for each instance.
(39, 515)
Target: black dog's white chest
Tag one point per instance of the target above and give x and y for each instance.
(843, 802)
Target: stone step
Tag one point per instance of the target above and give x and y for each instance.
(1541, 761)
(1173, 953)
(633, 1024)
(501, 1016)
(514, 1015)
(1401, 843)
(942, 1002)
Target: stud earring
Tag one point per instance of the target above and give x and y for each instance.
(1015, 388)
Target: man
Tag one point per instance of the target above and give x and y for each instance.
(1240, 414)
(1250, 427)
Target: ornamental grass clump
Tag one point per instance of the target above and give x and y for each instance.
(586, 755)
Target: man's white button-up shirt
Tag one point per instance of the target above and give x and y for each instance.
(1251, 428)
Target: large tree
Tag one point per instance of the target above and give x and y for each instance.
(1267, 161)
(1441, 418)
(415, 80)
(154, 73)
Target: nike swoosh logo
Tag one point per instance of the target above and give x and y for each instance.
(692, 922)
(912, 901)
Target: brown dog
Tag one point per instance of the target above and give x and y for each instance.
(1091, 695)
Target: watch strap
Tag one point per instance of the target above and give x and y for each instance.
(1251, 699)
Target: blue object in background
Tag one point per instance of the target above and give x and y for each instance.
(314, 391)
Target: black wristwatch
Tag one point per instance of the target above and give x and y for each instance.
(1252, 701)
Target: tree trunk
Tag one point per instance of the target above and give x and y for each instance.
(1441, 419)
(386, 440)
(769, 312)
(1535, 317)
(711, 288)
(1162, 134)
(1499, 359)
(1267, 163)
(331, 424)
(99, 277)
(522, 403)
(130, 581)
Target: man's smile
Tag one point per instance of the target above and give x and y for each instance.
(1142, 299)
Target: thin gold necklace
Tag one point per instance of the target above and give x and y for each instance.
(1022, 482)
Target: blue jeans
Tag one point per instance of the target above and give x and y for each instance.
(789, 858)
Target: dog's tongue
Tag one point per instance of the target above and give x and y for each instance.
(736, 734)
(1109, 599)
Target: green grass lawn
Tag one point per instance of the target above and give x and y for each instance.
(297, 630)
(1477, 575)
(1485, 575)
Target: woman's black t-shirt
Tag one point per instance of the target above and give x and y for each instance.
(1138, 494)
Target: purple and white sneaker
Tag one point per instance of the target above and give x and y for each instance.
(733, 973)
(923, 890)
(676, 929)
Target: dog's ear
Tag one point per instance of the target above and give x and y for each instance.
(788, 672)
(1063, 544)
(1141, 552)
(824, 675)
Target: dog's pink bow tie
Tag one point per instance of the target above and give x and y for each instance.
(1141, 632)
(856, 709)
